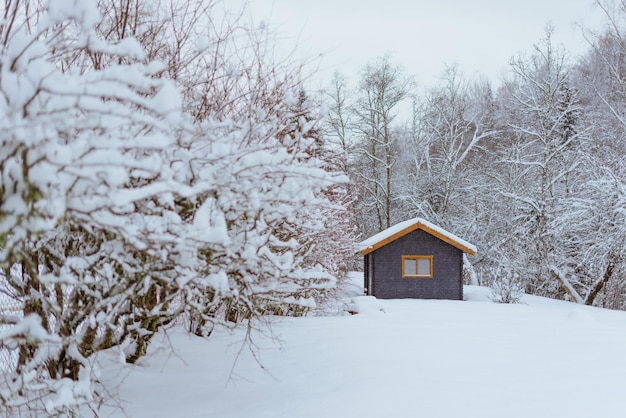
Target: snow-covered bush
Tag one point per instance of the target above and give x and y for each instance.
(506, 287)
(268, 200)
(83, 185)
(119, 212)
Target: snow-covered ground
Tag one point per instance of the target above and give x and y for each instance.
(396, 358)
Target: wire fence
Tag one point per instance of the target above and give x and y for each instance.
(10, 307)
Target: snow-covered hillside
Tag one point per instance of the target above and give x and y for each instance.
(396, 358)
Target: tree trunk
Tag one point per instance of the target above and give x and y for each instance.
(608, 272)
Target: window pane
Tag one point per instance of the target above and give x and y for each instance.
(410, 267)
(423, 267)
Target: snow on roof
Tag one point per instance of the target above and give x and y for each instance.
(400, 229)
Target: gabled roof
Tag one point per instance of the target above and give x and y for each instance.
(398, 230)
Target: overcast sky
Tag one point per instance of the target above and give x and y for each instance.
(424, 35)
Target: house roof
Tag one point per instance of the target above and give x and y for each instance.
(398, 230)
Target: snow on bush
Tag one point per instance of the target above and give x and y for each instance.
(134, 192)
(506, 287)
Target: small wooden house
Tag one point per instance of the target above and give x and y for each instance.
(414, 259)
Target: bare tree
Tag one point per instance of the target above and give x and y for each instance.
(382, 88)
(339, 123)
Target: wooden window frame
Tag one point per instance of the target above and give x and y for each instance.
(417, 258)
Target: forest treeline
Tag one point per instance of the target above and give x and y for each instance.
(160, 164)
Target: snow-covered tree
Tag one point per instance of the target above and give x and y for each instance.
(540, 157)
(592, 238)
(443, 156)
(589, 222)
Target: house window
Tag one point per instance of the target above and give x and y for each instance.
(417, 266)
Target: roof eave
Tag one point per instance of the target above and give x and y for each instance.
(424, 228)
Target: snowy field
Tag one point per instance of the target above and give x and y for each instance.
(396, 358)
